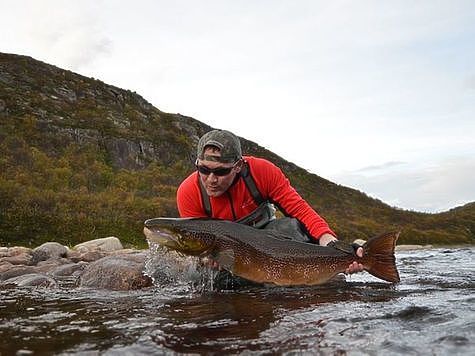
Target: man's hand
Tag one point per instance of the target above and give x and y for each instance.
(354, 267)
(210, 263)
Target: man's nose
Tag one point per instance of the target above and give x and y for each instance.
(213, 177)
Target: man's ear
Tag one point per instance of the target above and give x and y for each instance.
(238, 166)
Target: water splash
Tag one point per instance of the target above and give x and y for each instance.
(170, 268)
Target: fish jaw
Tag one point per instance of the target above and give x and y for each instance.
(163, 238)
(177, 242)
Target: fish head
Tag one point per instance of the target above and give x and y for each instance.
(185, 235)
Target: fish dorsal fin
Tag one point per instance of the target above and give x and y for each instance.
(225, 259)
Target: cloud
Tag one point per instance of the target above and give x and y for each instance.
(471, 82)
(436, 187)
(380, 167)
(68, 36)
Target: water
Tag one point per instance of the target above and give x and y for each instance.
(431, 312)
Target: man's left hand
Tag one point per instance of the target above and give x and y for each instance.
(354, 267)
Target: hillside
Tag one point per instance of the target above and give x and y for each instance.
(82, 159)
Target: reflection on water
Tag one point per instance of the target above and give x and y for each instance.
(430, 312)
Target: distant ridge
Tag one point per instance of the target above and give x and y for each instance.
(82, 159)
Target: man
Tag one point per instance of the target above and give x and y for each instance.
(228, 186)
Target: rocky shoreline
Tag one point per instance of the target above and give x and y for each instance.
(100, 264)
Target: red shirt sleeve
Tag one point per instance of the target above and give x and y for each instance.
(275, 186)
(188, 198)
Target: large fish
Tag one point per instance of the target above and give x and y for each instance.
(265, 256)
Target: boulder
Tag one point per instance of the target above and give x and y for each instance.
(50, 265)
(106, 244)
(18, 259)
(4, 252)
(412, 247)
(120, 272)
(70, 269)
(48, 250)
(16, 271)
(5, 266)
(31, 280)
(19, 250)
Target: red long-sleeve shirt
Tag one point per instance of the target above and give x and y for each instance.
(238, 202)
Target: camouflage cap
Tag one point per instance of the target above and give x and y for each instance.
(226, 141)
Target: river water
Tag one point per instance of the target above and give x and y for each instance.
(431, 312)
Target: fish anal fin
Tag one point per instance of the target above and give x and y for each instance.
(225, 259)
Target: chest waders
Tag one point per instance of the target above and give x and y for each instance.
(263, 217)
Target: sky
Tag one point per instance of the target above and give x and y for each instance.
(375, 95)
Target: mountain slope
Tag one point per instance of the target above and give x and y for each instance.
(82, 159)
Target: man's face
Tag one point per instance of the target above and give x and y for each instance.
(217, 185)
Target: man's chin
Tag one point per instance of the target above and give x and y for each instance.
(214, 193)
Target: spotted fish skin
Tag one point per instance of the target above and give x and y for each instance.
(264, 256)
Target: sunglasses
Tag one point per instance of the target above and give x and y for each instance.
(220, 172)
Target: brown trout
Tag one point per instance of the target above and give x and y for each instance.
(266, 256)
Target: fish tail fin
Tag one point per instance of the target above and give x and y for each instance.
(378, 258)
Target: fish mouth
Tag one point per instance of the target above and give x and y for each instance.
(162, 237)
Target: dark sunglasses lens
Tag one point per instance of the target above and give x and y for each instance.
(222, 171)
(203, 170)
(217, 172)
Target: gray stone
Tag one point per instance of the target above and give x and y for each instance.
(412, 247)
(123, 272)
(48, 250)
(5, 266)
(91, 256)
(106, 244)
(70, 269)
(18, 250)
(19, 259)
(51, 264)
(31, 280)
(4, 252)
(16, 271)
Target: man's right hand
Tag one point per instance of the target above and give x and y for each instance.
(210, 263)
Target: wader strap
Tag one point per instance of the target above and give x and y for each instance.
(259, 217)
(205, 198)
(251, 184)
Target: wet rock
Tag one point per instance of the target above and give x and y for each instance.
(85, 255)
(70, 269)
(121, 272)
(16, 271)
(48, 250)
(74, 256)
(124, 251)
(5, 266)
(106, 244)
(31, 280)
(51, 264)
(91, 256)
(19, 250)
(412, 247)
(4, 252)
(19, 259)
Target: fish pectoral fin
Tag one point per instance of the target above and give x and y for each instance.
(225, 259)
